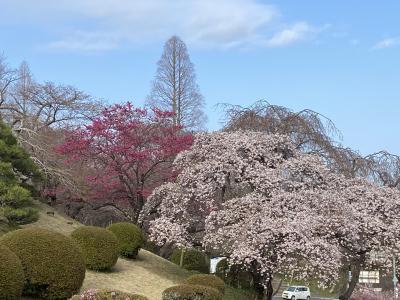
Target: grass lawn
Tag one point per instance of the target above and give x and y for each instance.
(147, 275)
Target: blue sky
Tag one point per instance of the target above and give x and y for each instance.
(340, 58)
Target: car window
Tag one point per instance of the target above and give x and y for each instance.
(291, 288)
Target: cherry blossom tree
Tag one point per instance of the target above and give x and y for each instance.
(258, 200)
(128, 151)
(240, 189)
(363, 219)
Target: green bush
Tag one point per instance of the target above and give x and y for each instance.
(16, 196)
(207, 280)
(53, 264)
(233, 275)
(21, 216)
(191, 292)
(17, 173)
(130, 238)
(95, 294)
(11, 275)
(192, 260)
(99, 246)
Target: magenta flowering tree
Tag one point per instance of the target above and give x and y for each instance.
(256, 199)
(128, 151)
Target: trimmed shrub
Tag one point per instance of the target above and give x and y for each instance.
(130, 238)
(207, 280)
(191, 292)
(11, 275)
(95, 294)
(53, 264)
(99, 246)
(192, 260)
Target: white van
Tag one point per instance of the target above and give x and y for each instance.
(297, 292)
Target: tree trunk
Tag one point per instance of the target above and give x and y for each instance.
(269, 293)
(259, 291)
(279, 286)
(182, 257)
(262, 292)
(355, 275)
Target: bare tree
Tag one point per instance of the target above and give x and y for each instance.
(7, 77)
(39, 115)
(175, 88)
(314, 133)
(310, 131)
(384, 168)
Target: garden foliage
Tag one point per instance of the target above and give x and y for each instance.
(99, 246)
(11, 275)
(192, 260)
(17, 172)
(53, 265)
(130, 238)
(191, 292)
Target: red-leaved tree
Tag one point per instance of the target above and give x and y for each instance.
(126, 153)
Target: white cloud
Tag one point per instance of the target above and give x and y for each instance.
(387, 43)
(296, 33)
(99, 25)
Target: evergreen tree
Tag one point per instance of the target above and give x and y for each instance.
(17, 172)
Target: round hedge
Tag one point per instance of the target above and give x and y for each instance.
(53, 265)
(99, 246)
(106, 294)
(192, 260)
(191, 292)
(130, 238)
(207, 280)
(11, 275)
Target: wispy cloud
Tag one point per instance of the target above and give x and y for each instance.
(291, 35)
(387, 43)
(100, 25)
(86, 41)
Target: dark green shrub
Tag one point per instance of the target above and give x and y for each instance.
(99, 246)
(16, 196)
(233, 275)
(151, 247)
(53, 264)
(222, 268)
(130, 238)
(191, 292)
(21, 216)
(11, 275)
(192, 260)
(104, 294)
(17, 172)
(207, 280)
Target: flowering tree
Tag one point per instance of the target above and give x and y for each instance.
(128, 152)
(364, 220)
(242, 190)
(270, 208)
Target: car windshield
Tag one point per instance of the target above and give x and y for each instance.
(291, 289)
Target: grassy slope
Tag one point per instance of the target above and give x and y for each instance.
(148, 275)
